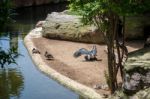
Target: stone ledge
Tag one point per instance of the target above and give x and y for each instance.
(42, 66)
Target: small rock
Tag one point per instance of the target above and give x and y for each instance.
(97, 86)
(104, 87)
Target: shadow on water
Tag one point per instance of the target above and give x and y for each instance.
(24, 81)
(37, 12)
(26, 18)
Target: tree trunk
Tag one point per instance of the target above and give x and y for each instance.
(111, 55)
(114, 58)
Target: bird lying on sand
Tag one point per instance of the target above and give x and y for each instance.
(35, 51)
(48, 56)
(89, 55)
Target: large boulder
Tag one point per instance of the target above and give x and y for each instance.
(22, 3)
(68, 27)
(137, 71)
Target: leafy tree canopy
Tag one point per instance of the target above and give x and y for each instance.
(90, 8)
(5, 12)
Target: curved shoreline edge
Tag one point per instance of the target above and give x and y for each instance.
(63, 80)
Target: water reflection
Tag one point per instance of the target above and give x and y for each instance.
(13, 42)
(30, 15)
(11, 83)
(26, 18)
(24, 81)
(11, 78)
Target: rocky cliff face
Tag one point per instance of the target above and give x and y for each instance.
(137, 69)
(135, 27)
(136, 83)
(68, 27)
(22, 3)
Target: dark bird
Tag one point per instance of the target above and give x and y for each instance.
(35, 51)
(48, 56)
(89, 55)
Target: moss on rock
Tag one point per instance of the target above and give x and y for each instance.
(138, 59)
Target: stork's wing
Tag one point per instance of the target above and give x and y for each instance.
(81, 52)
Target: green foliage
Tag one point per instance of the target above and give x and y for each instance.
(5, 13)
(95, 8)
(91, 8)
(7, 57)
(87, 8)
(130, 7)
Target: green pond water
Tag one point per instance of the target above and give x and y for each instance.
(25, 81)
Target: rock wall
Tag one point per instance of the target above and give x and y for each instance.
(136, 83)
(68, 27)
(134, 27)
(22, 3)
(137, 70)
(142, 94)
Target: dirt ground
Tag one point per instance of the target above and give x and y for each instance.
(88, 73)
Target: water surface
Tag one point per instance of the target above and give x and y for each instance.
(24, 80)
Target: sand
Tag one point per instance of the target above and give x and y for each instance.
(89, 73)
